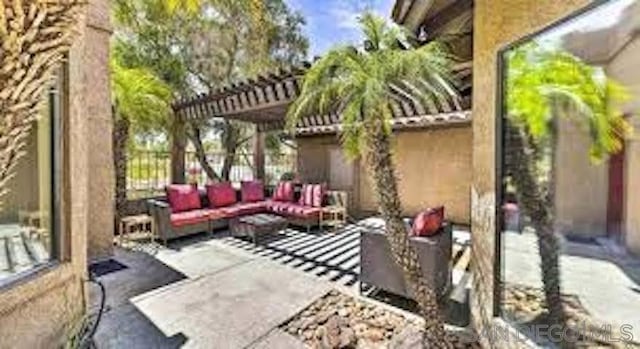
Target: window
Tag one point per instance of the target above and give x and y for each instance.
(570, 209)
(28, 221)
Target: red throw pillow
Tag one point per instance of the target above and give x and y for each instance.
(312, 195)
(252, 191)
(318, 195)
(283, 192)
(428, 222)
(306, 195)
(221, 194)
(183, 197)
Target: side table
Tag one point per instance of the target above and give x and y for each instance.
(136, 227)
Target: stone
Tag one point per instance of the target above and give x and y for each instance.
(331, 339)
(306, 322)
(360, 329)
(347, 338)
(320, 332)
(409, 338)
(374, 335)
(308, 334)
(344, 312)
(323, 316)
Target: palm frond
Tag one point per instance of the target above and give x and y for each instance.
(539, 80)
(360, 83)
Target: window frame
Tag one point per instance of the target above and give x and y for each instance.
(500, 109)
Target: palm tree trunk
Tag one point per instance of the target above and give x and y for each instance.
(380, 162)
(120, 139)
(537, 203)
(201, 155)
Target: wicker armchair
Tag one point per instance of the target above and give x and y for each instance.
(378, 268)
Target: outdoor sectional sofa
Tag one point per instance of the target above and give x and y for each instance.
(213, 209)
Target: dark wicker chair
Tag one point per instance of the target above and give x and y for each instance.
(378, 269)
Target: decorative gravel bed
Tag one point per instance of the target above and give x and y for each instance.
(337, 320)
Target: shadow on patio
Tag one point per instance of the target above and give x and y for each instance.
(123, 325)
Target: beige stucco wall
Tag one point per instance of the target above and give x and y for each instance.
(433, 167)
(98, 102)
(624, 68)
(632, 199)
(496, 24)
(582, 186)
(37, 311)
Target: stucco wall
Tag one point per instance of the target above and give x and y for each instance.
(98, 102)
(38, 311)
(582, 186)
(632, 199)
(496, 24)
(625, 70)
(433, 168)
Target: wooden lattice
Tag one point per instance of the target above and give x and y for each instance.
(35, 36)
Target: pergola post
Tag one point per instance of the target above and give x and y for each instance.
(178, 145)
(258, 155)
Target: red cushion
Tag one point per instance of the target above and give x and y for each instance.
(283, 192)
(243, 208)
(183, 197)
(180, 219)
(293, 209)
(221, 194)
(318, 195)
(428, 222)
(216, 213)
(312, 195)
(252, 191)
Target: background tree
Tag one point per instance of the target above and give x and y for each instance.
(542, 85)
(142, 104)
(34, 38)
(359, 83)
(200, 48)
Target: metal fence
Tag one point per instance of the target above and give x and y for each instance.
(148, 172)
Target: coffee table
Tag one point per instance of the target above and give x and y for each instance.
(257, 224)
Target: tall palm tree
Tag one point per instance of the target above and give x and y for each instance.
(360, 83)
(543, 84)
(141, 103)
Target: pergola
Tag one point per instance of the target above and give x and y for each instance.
(263, 101)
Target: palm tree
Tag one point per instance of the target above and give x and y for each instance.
(35, 38)
(544, 84)
(141, 103)
(359, 83)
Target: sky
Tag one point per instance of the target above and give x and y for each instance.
(332, 22)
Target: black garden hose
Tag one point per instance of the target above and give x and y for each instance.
(90, 326)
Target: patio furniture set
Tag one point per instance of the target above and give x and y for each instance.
(248, 211)
(252, 213)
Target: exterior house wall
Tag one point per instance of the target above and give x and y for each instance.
(496, 24)
(433, 167)
(39, 310)
(98, 111)
(582, 186)
(623, 68)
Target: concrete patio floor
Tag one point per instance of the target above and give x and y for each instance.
(210, 296)
(216, 291)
